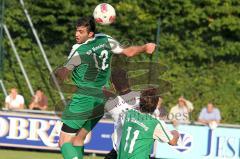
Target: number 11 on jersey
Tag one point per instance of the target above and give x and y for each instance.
(132, 142)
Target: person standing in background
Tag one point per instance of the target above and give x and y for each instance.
(14, 100)
(179, 114)
(39, 101)
(210, 115)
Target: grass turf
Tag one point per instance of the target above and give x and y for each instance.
(24, 154)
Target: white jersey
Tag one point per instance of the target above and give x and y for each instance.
(117, 108)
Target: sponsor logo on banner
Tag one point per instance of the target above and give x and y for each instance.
(201, 142)
(184, 142)
(42, 132)
(222, 146)
(30, 129)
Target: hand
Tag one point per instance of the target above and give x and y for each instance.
(174, 141)
(175, 133)
(61, 74)
(150, 47)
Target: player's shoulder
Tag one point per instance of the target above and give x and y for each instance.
(159, 121)
(111, 104)
(155, 118)
(152, 117)
(102, 35)
(134, 93)
(75, 46)
(83, 46)
(136, 112)
(133, 111)
(74, 50)
(144, 116)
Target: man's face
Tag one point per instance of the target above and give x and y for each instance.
(210, 107)
(39, 93)
(14, 93)
(82, 34)
(181, 103)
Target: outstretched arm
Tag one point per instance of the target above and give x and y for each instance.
(135, 50)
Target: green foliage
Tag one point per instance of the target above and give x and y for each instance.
(199, 42)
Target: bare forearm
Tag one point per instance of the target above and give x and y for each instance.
(203, 121)
(134, 50)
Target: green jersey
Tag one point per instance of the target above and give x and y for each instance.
(90, 65)
(138, 135)
(90, 61)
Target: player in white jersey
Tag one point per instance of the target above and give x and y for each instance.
(126, 100)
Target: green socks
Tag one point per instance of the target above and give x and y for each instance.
(72, 152)
(80, 151)
(69, 151)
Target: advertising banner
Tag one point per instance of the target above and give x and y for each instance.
(38, 131)
(200, 142)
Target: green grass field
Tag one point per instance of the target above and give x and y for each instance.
(21, 154)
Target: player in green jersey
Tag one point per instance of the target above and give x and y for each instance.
(89, 65)
(141, 128)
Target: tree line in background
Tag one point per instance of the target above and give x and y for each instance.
(199, 43)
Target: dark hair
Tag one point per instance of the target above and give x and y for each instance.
(148, 100)
(119, 79)
(39, 89)
(88, 22)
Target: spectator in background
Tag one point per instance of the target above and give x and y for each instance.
(39, 101)
(14, 100)
(180, 113)
(210, 116)
(160, 111)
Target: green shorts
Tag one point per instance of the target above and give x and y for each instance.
(83, 112)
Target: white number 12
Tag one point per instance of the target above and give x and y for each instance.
(104, 55)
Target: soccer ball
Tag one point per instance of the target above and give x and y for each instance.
(104, 14)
